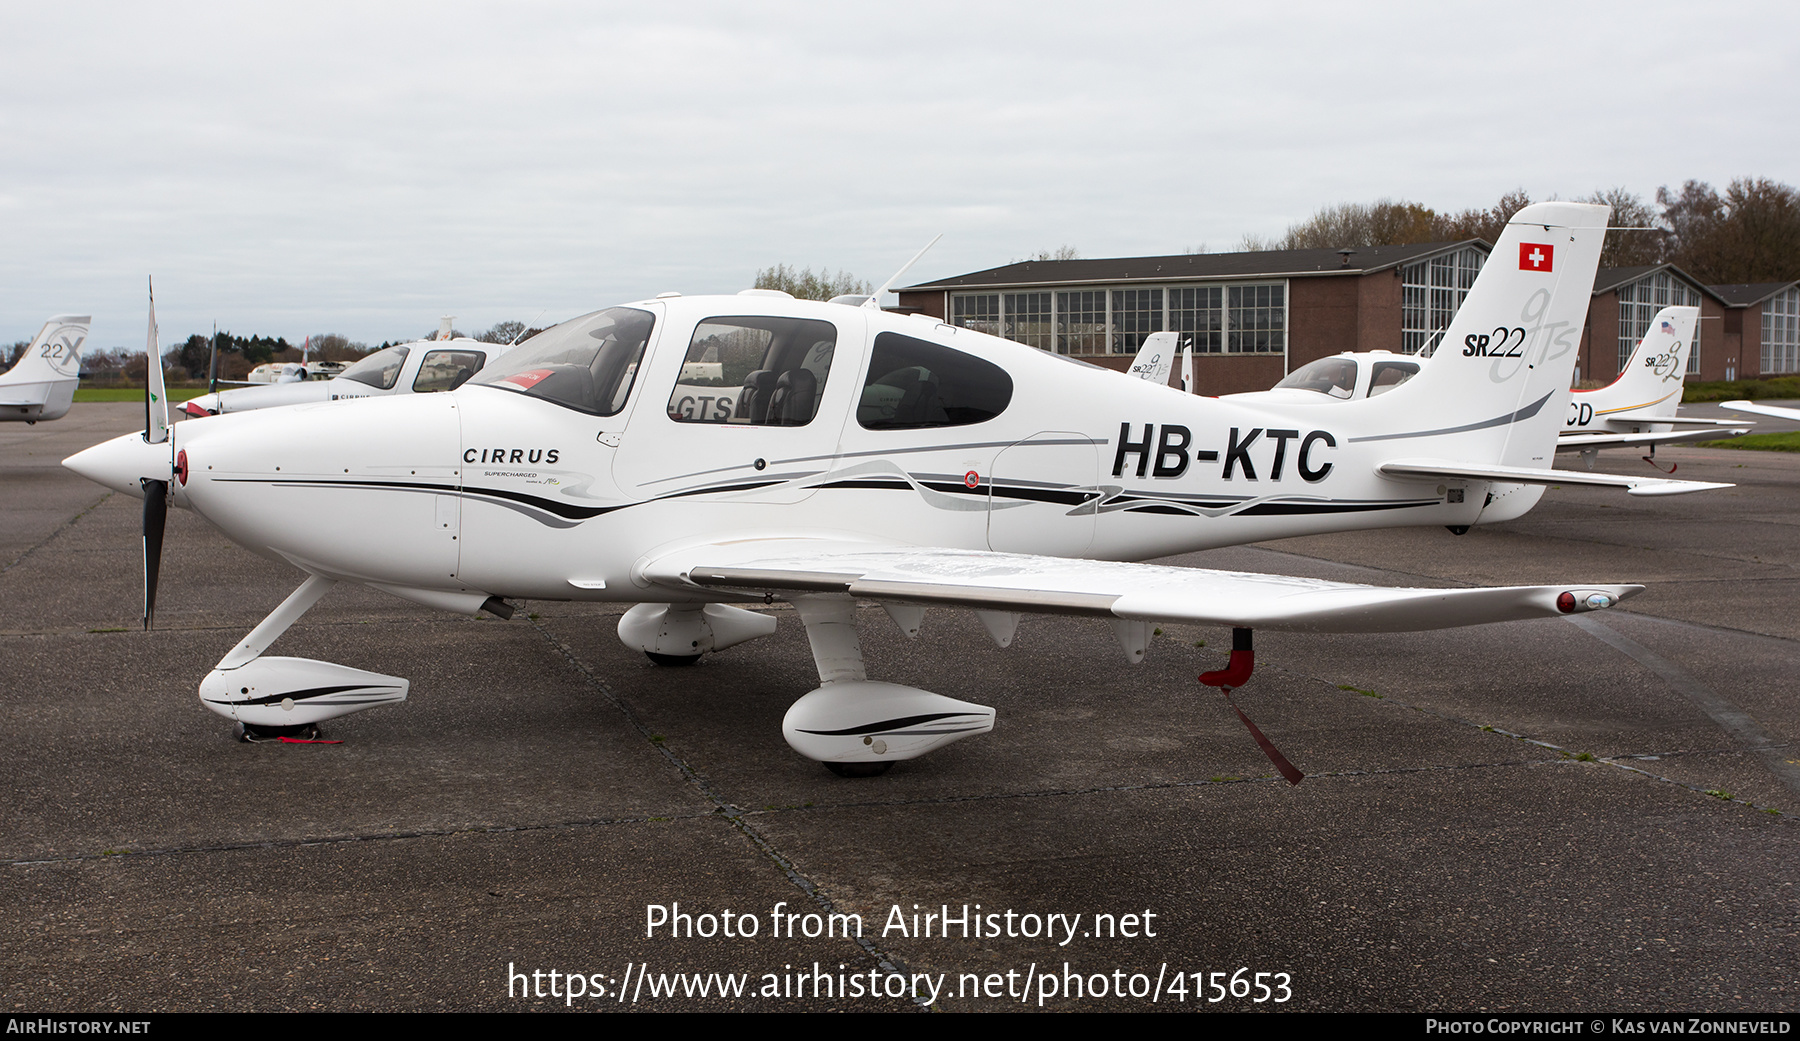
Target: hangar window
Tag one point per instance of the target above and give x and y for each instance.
(1256, 319)
(1080, 323)
(979, 312)
(1638, 304)
(1028, 320)
(587, 363)
(1781, 332)
(754, 371)
(913, 384)
(1136, 314)
(1199, 315)
(1430, 293)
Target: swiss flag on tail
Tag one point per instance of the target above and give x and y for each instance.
(1535, 256)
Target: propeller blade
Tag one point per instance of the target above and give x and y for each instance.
(156, 514)
(156, 396)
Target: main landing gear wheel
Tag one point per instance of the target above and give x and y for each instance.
(672, 660)
(859, 769)
(254, 734)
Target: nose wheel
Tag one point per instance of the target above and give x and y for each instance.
(251, 734)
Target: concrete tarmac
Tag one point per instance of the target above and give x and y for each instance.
(1592, 815)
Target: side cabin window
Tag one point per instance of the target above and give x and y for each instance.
(1331, 376)
(447, 370)
(754, 371)
(913, 384)
(1390, 374)
(586, 363)
(379, 370)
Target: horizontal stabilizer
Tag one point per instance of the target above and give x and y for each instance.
(1444, 469)
(1139, 592)
(1583, 442)
(1679, 421)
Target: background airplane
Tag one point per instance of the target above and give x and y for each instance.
(1756, 408)
(1636, 410)
(420, 367)
(42, 383)
(873, 456)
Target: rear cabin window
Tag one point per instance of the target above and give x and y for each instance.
(915, 383)
(1390, 374)
(754, 371)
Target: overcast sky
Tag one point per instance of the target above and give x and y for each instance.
(364, 168)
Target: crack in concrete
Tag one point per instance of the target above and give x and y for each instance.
(1750, 735)
(726, 810)
(59, 529)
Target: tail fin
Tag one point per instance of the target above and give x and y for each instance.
(1498, 386)
(1155, 358)
(43, 382)
(54, 354)
(1650, 383)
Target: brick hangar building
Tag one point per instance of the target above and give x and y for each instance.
(1254, 317)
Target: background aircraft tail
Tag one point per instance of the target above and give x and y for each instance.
(43, 382)
(1497, 387)
(1651, 381)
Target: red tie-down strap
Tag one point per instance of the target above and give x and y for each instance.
(1233, 675)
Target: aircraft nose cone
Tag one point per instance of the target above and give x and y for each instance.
(122, 462)
(204, 405)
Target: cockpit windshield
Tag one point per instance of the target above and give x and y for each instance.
(1333, 376)
(586, 363)
(378, 370)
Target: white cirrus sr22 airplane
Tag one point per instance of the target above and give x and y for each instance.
(873, 456)
(41, 385)
(420, 367)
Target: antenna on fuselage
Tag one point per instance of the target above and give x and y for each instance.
(521, 331)
(874, 302)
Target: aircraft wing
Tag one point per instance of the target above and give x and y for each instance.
(1441, 469)
(1762, 410)
(1132, 592)
(1582, 442)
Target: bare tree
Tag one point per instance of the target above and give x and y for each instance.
(1063, 252)
(1254, 243)
(1482, 224)
(503, 332)
(804, 285)
(1381, 223)
(1630, 248)
(1750, 234)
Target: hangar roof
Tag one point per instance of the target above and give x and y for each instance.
(1274, 263)
(1608, 279)
(1752, 293)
